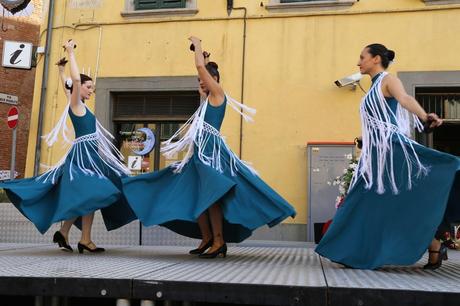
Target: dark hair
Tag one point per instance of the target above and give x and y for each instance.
(385, 54)
(213, 70)
(83, 78)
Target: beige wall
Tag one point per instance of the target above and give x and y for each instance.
(292, 60)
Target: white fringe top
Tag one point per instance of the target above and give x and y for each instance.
(381, 130)
(85, 152)
(196, 134)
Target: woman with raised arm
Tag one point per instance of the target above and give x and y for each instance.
(211, 194)
(401, 191)
(86, 179)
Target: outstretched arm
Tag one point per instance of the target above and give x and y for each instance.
(216, 93)
(395, 88)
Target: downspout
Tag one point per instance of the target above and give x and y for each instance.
(44, 86)
(243, 64)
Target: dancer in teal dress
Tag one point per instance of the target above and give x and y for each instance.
(86, 179)
(401, 191)
(211, 194)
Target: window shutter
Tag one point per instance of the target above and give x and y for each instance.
(158, 4)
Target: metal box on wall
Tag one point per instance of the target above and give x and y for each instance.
(326, 161)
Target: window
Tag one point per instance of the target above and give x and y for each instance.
(159, 8)
(444, 101)
(161, 112)
(296, 5)
(155, 105)
(289, 1)
(158, 4)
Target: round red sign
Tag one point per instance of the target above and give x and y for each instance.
(13, 115)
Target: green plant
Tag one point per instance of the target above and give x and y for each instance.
(344, 181)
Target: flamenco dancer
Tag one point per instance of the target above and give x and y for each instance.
(402, 192)
(86, 179)
(211, 194)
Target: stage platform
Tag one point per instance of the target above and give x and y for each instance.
(255, 273)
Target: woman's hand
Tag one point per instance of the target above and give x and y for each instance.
(195, 40)
(434, 119)
(62, 62)
(69, 46)
(206, 56)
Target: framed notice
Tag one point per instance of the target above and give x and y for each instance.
(17, 54)
(8, 99)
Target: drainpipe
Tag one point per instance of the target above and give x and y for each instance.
(44, 86)
(243, 64)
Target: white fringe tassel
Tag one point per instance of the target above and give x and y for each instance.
(86, 151)
(197, 132)
(379, 134)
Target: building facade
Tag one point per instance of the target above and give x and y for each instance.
(279, 56)
(17, 85)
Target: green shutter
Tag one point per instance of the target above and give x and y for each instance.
(173, 4)
(290, 1)
(158, 4)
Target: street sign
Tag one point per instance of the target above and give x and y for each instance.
(13, 116)
(17, 54)
(5, 175)
(8, 99)
(134, 162)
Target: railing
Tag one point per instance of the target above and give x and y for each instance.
(445, 105)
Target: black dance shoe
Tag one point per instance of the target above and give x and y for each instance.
(60, 240)
(442, 256)
(221, 252)
(82, 247)
(199, 251)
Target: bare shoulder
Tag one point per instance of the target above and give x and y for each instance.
(390, 78)
(390, 82)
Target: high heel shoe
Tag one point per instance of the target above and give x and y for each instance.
(82, 247)
(201, 250)
(60, 240)
(442, 256)
(222, 252)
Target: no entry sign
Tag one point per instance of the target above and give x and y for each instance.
(13, 116)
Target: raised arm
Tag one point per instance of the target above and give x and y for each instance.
(61, 66)
(75, 100)
(216, 93)
(394, 87)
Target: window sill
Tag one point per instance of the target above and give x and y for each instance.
(314, 5)
(436, 2)
(160, 12)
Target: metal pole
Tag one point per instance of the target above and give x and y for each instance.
(13, 155)
(243, 65)
(44, 85)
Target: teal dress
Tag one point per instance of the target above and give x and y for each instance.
(176, 200)
(371, 230)
(84, 182)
